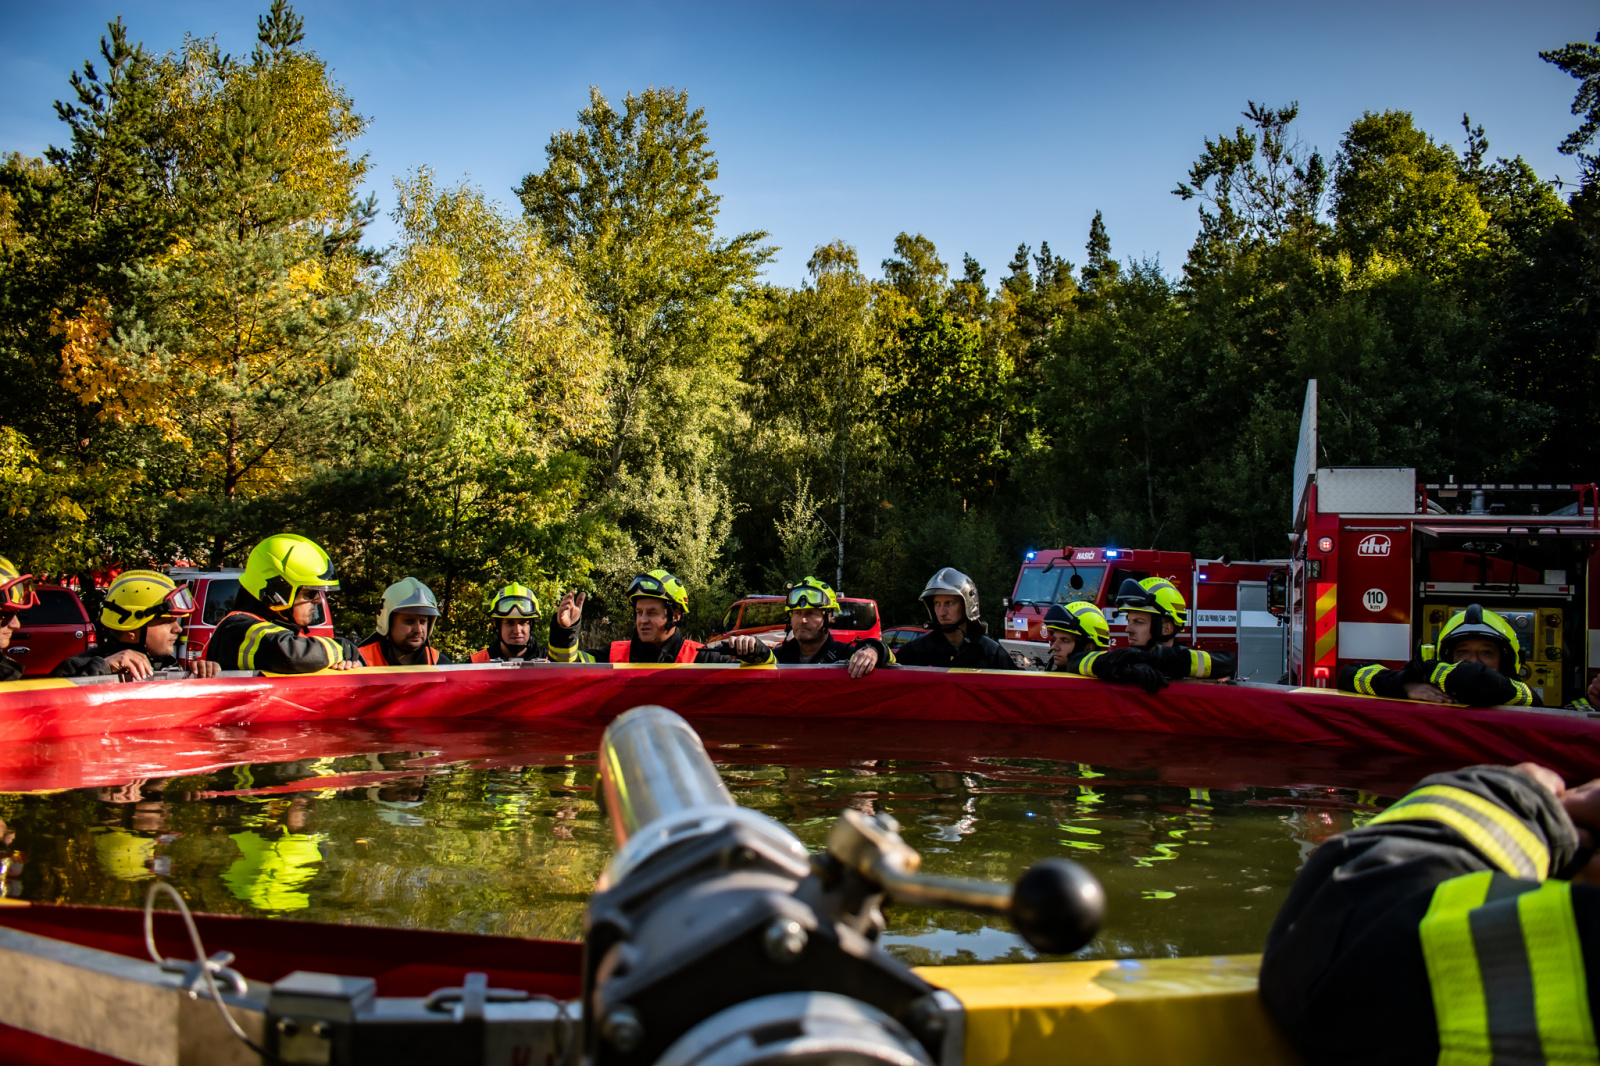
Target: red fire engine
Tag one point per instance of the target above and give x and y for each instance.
(1227, 601)
(1380, 562)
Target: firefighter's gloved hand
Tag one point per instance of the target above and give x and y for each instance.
(1145, 676)
(1477, 685)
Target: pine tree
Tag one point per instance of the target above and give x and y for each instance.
(1099, 267)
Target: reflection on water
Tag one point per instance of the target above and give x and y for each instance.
(493, 828)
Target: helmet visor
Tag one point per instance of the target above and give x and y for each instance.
(19, 594)
(804, 597)
(178, 602)
(646, 585)
(515, 607)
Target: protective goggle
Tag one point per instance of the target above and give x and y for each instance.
(806, 597)
(645, 585)
(19, 594)
(515, 607)
(175, 604)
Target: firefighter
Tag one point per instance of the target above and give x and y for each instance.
(17, 594)
(659, 604)
(269, 628)
(406, 617)
(515, 611)
(1154, 612)
(810, 606)
(1470, 907)
(1477, 663)
(957, 637)
(1080, 638)
(141, 622)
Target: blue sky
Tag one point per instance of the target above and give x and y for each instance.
(979, 125)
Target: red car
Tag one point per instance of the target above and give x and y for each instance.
(54, 630)
(214, 592)
(764, 618)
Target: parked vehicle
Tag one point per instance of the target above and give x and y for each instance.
(214, 592)
(901, 635)
(1382, 561)
(51, 632)
(764, 618)
(1227, 601)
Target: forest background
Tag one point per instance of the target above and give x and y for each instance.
(199, 350)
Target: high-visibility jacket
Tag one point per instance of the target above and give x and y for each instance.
(244, 640)
(1474, 684)
(530, 653)
(1443, 932)
(622, 651)
(372, 654)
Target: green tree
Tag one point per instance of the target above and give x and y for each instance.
(626, 199)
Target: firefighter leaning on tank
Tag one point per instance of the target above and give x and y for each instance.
(1154, 612)
(1460, 926)
(269, 628)
(141, 622)
(404, 633)
(659, 604)
(810, 606)
(1079, 639)
(514, 612)
(17, 594)
(957, 636)
(1477, 663)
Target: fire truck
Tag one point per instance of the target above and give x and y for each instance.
(1228, 609)
(1381, 561)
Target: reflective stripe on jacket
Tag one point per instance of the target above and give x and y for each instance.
(1507, 974)
(247, 641)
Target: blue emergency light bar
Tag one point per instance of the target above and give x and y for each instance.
(1112, 553)
(1031, 555)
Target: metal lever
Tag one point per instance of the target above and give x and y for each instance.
(1056, 905)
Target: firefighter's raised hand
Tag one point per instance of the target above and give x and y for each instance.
(863, 662)
(1421, 690)
(569, 612)
(131, 664)
(1582, 805)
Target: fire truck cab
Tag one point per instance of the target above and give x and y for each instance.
(1380, 562)
(1227, 602)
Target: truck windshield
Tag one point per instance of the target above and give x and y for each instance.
(1037, 586)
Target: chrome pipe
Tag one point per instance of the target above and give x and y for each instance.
(653, 766)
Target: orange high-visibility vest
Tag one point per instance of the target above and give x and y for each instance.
(372, 655)
(686, 654)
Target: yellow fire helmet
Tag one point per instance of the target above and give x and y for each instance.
(1479, 621)
(138, 597)
(810, 593)
(280, 566)
(1154, 595)
(514, 601)
(1081, 620)
(660, 585)
(17, 590)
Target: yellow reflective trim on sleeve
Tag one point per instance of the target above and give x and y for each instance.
(1454, 978)
(252, 644)
(1086, 664)
(563, 655)
(1560, 983)
(1524, 696)
(1439, 673)
(1199, 663)
(1364, 677)
(1500, 835)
